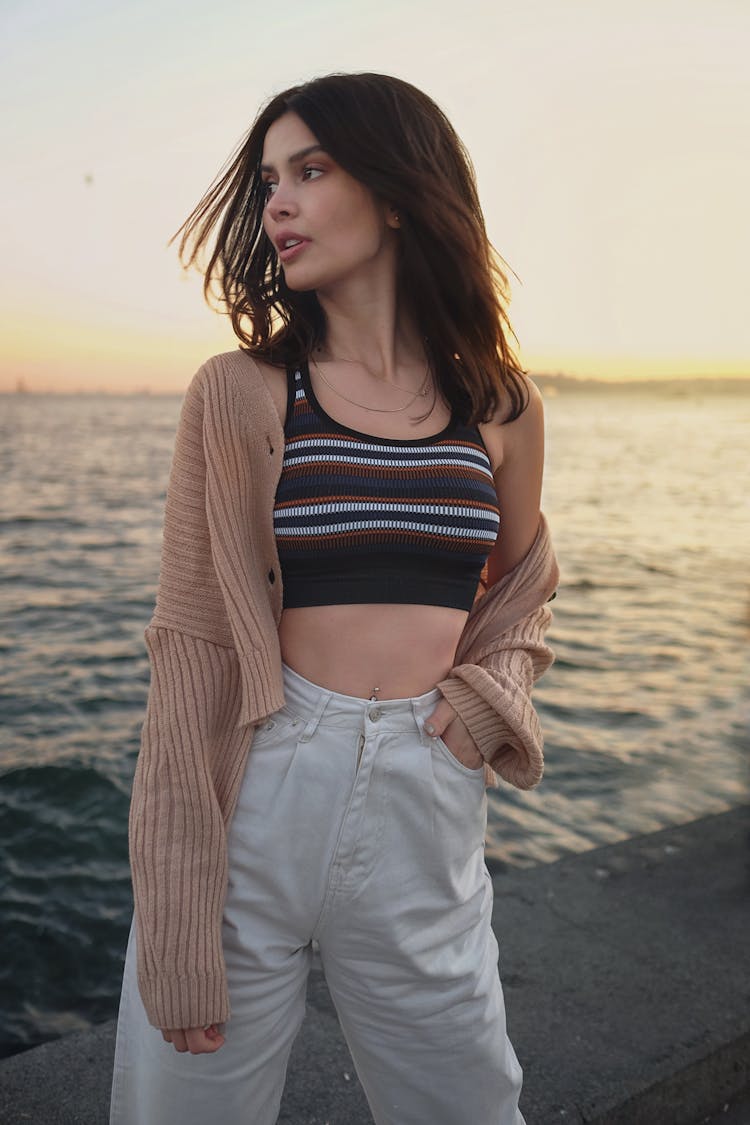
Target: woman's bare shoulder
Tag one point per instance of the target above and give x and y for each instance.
(518, 483)
(501, 437)
(529, 425)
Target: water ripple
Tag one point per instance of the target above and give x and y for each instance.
(645, 711)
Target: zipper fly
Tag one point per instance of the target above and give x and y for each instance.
(360, 748)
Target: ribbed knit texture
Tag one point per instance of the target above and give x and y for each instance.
(500, 655)
(370, 519)
(216, 670)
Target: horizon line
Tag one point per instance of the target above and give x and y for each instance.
(23, 388)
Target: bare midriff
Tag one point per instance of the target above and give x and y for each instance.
(403, 650)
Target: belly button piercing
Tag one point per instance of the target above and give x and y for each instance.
(374, 696)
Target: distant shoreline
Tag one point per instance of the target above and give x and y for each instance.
(721, 384)
(554, 384)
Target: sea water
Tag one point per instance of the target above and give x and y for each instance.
(645, 710)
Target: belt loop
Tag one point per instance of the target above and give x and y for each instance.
(419, 720)
(312, 724)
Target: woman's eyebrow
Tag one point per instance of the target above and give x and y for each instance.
(295, 157)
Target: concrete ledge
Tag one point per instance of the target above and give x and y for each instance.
(627, 976)
(626, 972)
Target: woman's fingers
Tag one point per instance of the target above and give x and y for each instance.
(446, 723)
(196, 1040)
(460, 743)
(204, 1041)
(443, 714)
(176, 1036)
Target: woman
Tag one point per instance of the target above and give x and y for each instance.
(331, 687)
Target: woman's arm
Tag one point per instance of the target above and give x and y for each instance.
(486, 713)
(518, 483)
(177, 834)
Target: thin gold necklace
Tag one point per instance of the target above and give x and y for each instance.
(359, 363)
(379, 409)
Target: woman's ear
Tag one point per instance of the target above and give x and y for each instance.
(392, 218)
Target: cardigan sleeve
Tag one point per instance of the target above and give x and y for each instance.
(493, 698)
(177, 836)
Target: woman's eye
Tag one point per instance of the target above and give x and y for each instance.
(270, 186)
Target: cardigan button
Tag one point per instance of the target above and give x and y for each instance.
(271, 576)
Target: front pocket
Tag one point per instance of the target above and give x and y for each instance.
(270, 755)
(468, 771)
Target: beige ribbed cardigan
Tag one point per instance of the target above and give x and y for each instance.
(216, 672)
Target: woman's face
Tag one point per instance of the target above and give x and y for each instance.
(326, 226)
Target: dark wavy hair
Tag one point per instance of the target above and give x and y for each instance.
(394, 139)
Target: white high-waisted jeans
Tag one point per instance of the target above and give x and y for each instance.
(354, 828)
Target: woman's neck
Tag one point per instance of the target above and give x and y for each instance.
(367, 325)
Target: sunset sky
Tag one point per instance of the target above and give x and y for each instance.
(610, 139)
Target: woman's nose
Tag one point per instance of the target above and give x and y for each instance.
(281, 204)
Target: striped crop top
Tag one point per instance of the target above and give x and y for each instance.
(359, 518)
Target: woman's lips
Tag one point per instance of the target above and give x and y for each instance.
(291, 252)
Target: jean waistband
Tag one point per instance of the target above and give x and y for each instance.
(314, 704)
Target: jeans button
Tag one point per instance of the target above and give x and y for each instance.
(374, 713)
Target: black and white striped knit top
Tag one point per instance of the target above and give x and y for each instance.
(359, 518)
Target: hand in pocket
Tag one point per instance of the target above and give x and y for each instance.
(450, 727)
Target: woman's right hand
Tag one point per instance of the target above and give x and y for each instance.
(196, 1040)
